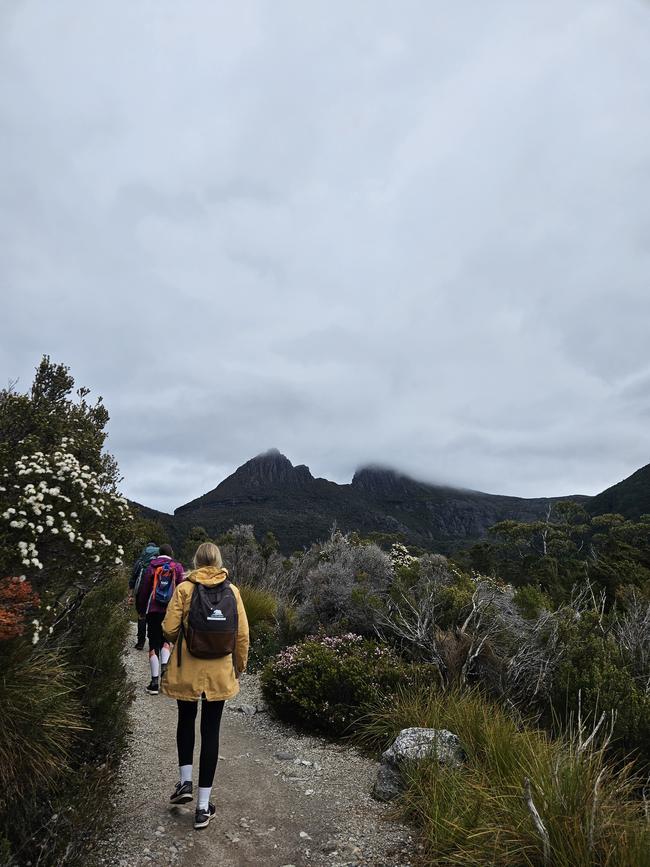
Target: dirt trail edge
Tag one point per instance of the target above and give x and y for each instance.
(282, 798)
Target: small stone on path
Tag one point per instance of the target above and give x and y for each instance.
(284, 756)
(246, 709)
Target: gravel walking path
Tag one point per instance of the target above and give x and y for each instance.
(283, 799)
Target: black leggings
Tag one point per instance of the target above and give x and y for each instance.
(210, 723)
(154, 631)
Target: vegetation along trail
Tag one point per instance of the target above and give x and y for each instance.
(282, 798)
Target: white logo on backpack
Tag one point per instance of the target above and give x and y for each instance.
(217, 614)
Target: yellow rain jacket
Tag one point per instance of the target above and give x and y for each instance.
(214, 677)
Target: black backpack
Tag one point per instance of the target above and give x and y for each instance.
(141, 567)
(212, 623)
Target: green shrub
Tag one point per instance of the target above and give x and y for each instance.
(478, 814)
(288, 624)
(432, 584)
(273, 624)
(341, 591)
(326, 684)
(263, 647)
(594, 673)
(531, 601)
(269, 639)
(454, 600)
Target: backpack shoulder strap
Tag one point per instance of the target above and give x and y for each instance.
(228, 586)
(181, 631)
(154, 585)
(179, 643)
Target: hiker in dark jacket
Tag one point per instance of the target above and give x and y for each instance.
(150, 606)
(150, 551)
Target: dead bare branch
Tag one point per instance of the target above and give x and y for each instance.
(537, 820)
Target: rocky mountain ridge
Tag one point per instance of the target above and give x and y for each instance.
(630, 498)
(271, 493)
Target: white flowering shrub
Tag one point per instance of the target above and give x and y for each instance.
(64, 532)
(63, 524)
(55, 513)
(400, 556)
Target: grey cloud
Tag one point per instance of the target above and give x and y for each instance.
(357, 232)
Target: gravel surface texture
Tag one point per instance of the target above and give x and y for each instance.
(283, 799)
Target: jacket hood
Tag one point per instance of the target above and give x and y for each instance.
(151, 551)
(208, 575)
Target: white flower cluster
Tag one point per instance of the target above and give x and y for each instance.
(38, 628)
(399, 556)
(41, 504)
(493, 582)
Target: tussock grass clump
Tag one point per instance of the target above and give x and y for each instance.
(97, 645)
(40, 717)
(63, 724)
(261, 606)
(480, 814)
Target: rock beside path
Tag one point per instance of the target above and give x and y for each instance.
(413, 745)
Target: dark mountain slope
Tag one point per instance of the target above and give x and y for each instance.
(441, 516)
(272, 494)
(174, 530)
(630, 498)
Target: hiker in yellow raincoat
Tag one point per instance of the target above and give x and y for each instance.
(206, 614)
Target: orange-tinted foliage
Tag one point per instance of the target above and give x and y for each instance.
(16, 599)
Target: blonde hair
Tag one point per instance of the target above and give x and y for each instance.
(208, 554)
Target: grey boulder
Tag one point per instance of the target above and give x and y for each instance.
(413, 745)
(388, 784)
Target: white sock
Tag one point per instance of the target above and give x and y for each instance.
(204, 797)
(155, 666)
(165, 653)
(186, 773)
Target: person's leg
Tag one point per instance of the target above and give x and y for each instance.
(185, 746)
(154, 631)
(142, 632)
(165, 653)
(211, 712)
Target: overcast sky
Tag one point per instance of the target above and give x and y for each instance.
(411, 233)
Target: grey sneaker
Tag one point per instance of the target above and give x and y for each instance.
(202, 817)
(182, 793)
